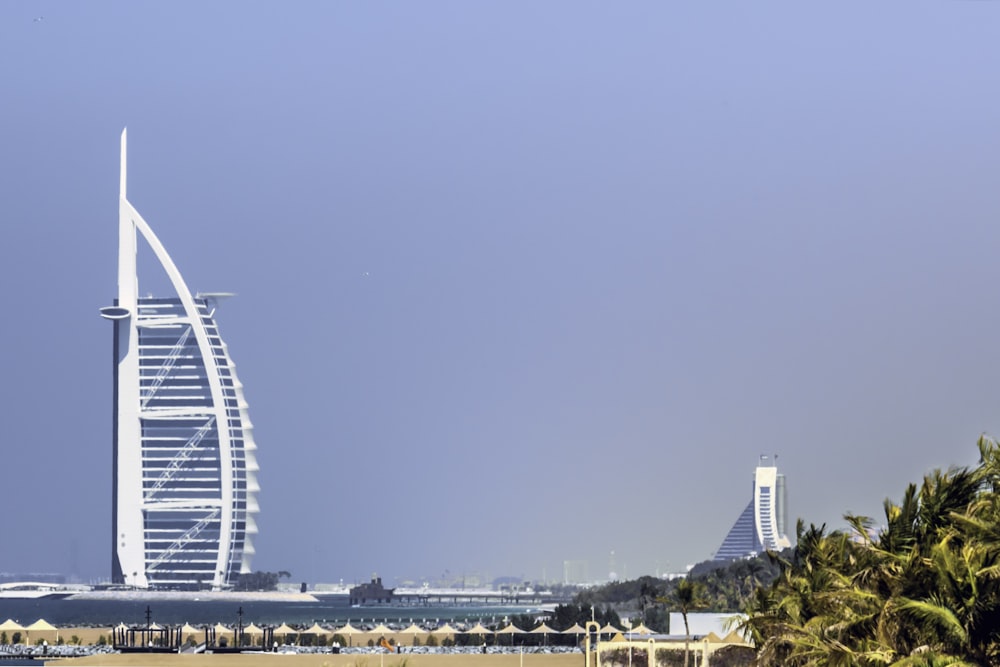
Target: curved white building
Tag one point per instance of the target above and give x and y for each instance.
(185, 473)
(761, 525)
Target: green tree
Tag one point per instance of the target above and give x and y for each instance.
(924, 590)
(260, 581)
(687, 596)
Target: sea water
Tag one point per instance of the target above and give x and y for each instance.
(67, 612)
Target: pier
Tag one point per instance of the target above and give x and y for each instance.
(462, 596)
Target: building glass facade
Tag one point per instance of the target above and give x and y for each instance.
(761, 525)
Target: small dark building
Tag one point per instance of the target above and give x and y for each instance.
(371, 593)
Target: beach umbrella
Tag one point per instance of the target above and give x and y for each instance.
(614, 634)
(380, 631)
(511, 630)
(40, 624)
(543, 630)
(640, 629)
(411, 631)
(445, 629)
(255, 633)
(734, 637)
(11, 626)
(284, 630)
(575, 629)
(348, 631)
(316, 629)
(479, 629)
(253, 630)
(221, 631)
(609, 630)
(42, 629)
(188, 631)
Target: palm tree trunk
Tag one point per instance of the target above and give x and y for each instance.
(687, 638)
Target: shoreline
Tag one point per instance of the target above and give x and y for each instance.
(200, 596)
(325, 660)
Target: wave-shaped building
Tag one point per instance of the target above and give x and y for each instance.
(762, 524)
(185, 472)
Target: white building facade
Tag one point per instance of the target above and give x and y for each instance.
(185, 471)
(762, 524)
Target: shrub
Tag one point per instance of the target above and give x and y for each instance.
(733, 656)
(671, 657)
(620, 656)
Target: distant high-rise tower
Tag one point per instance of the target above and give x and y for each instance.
(185, 472)
(761, 525)
(575, 572)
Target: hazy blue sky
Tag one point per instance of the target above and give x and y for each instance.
(518, 282)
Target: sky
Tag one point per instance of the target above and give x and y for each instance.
(517, 282)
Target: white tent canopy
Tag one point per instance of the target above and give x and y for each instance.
(316, 629)
(479, 629)
(445, 629)
(510, 629)
(347, 629)
(640, 629)
(41, 624)
(285, 629)
(253, 630)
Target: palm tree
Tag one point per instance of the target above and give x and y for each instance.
(687, 596)
(924, 591)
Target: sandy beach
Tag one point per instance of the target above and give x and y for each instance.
(324, 660)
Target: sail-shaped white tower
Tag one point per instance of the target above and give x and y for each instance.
(761, 526)
(185, 471)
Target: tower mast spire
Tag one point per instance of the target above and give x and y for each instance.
(121, 187)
